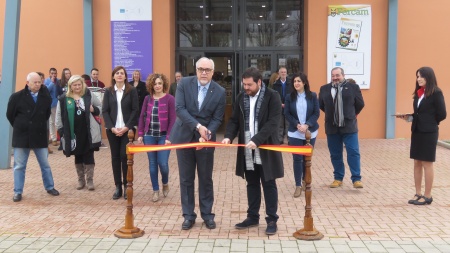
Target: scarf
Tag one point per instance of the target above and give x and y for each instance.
(420, 91)
(70, 105)
(249, 158)
(338, 105)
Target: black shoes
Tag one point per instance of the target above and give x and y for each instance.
(17, 197)
(188, 224)
(118, 192)
(416, 197)
(271, 228)
(247, 223)
(426, 201)
(53, 192)
(211, 224)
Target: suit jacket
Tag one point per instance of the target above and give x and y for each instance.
(268, 123)
(312, 113)
(129, 106)
(430, 112)
(173, 89)
(278, 86)
(353, 103)
(210, 114)
(28, 118)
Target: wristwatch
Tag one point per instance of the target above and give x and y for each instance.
(198, 126)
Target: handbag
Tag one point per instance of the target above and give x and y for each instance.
(98, 119)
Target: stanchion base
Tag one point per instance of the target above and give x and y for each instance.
(308, 235)
(126, 233)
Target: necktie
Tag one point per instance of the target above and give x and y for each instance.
(201, 96)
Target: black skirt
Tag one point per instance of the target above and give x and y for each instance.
(423, 146)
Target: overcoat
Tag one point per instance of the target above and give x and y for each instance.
(268, 123)
(29, 119)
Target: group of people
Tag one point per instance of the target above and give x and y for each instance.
(193, 114)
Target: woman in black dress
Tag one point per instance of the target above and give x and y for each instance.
(429, 111)
(76, 125)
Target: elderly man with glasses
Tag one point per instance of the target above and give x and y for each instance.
(200, 106)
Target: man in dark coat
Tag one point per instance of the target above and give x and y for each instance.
(255, 120)
(28, 111)
(173, 86)
(342, 101)
(283, 86)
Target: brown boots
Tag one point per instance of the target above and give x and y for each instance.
(90, 176)
(81, 179)
(87, 169)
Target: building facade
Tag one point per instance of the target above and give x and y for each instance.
(241, 33)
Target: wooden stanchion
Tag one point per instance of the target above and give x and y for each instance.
(129, 230)
(308, 232)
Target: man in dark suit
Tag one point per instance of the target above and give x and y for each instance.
(342, 101)
(28, 111)
(255, 120)
(200, 106)
(173, 86)
(283, 86)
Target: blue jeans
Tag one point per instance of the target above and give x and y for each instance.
(157, 158)
(299, 165)
(335, 146)
(20, 165)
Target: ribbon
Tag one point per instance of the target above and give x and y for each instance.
(299, 150)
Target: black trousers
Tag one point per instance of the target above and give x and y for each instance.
(190, 160)
(254, 180)
(86, 158)
(118, 149)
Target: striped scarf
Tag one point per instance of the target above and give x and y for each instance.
(338, 105)
(249, 159)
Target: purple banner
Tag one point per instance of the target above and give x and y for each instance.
(132, 46)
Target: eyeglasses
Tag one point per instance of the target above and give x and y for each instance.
(201, 70)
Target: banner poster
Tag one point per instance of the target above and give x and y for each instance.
(131, 36)
(350, 42)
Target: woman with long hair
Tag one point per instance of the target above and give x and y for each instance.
(301, 110)
(77, 127)
(140, 87)
(155, 124)
(65, 76)
(429, 111)
(120, 113)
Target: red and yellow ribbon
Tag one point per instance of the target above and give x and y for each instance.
(299, 150)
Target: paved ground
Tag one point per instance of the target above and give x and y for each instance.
(376, 218)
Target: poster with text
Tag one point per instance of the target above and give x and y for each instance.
(349, 44)
(131, 36)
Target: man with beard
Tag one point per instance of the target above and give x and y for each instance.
(255, 120)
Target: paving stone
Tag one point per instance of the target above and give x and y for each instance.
(189, 243)
(254, 250)
(221, 250)
(256, 243)
(171, 246)
(222, 243)
(186, 250)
